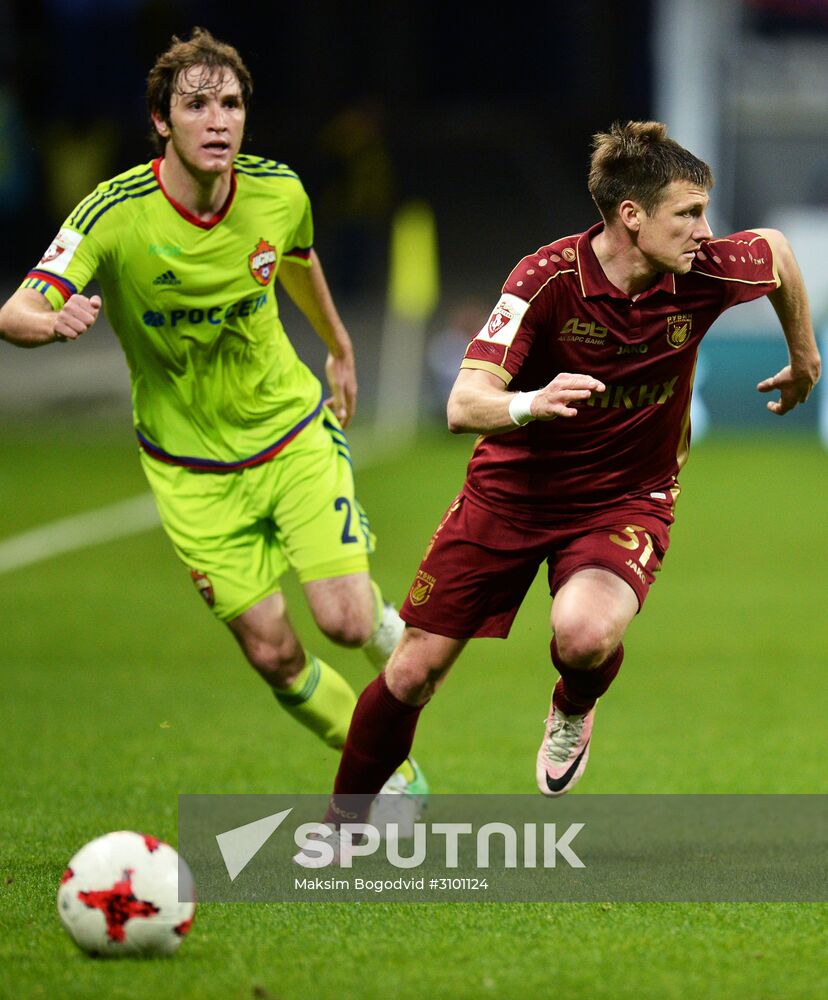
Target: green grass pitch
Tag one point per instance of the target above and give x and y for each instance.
(119, 692)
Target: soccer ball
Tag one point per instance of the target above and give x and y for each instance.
(120, 895)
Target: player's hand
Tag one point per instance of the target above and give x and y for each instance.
(794, 387)
(341, 375)
(76, 317)
(563, 395)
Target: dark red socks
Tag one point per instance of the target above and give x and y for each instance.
(578, 690)
(379, 740)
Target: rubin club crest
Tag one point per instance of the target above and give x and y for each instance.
(679, 328)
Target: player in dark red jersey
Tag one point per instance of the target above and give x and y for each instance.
(579, 470)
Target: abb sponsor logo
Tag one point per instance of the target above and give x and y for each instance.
(578, 331)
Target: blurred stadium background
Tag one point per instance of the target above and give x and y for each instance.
(485, 117)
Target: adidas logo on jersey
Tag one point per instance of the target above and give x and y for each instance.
(168, 278)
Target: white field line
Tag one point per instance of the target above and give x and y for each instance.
(117, 520)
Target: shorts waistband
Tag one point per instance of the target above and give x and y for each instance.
(212, 465)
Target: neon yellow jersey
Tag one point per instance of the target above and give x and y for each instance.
(215, 380)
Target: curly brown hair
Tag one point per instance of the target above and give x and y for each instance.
(638, 160)
(200, 49)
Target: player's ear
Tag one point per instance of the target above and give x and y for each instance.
(630, 212)
(161, 126)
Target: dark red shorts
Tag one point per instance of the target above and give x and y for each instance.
(479, 565)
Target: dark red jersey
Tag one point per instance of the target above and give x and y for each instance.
(558, 312)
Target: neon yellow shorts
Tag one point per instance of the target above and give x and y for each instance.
(239, 532)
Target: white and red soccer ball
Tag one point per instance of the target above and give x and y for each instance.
(127, 894)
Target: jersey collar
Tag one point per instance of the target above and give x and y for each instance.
(185, 213)
(595, 283)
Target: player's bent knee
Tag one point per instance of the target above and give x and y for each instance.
(420, 664)
(585, 645)
(346, 630)
(343, 608)
(346, 618)
(414, 683)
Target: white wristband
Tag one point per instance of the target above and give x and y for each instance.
(520, 407)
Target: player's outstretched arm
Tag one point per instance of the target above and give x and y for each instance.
(28, 320)
(480, 403)
(309, 290)
(790, 301)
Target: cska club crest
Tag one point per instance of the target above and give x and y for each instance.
(263, 262)
(203, 586)
(679, 328)
(421, 588)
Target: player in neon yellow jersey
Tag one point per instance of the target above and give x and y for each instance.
(247, 459)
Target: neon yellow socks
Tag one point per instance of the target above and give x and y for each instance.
(321, 699)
